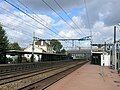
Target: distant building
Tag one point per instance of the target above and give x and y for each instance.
(80, 54)
(40, 46)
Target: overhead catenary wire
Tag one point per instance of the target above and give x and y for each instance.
(30, 16)
(34, 13)
(38, 17)
(14, 29)
(68, 16)
(88, 20)
(15, 37)
(26, 22)
(60, 16)
(31, 11)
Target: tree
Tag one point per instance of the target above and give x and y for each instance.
(56, 45)
(3, 45)
(63, 51)
(14, 46)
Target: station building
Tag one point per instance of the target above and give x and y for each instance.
(101, 58)
(40, 46)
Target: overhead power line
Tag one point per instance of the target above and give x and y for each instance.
(15, 30)
(87, 15)
(43, 19)
(30, 10)
(60, 16)
(34, 13)
(25, 22)
(68, 16)
(30, 16)
(38, 17)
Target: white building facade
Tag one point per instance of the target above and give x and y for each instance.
(105, 59)
(39, 47)
(101, 58)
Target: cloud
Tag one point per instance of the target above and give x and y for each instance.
(17, 28)
(40, 6)
(103, 14)
(105, 10)
(101, 32)
(59, 23)
(77, 20)
(97, 9)
(67, 33)
(5, 5)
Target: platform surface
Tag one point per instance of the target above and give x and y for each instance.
(89, 77)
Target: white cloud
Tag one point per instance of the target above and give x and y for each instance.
(98, 25)
(39, 32)
(101, 32)
(77, 20)
(108, 10)
(15, 27)
(5, 5)
(59, 23)
(67, 33)
(102, 14)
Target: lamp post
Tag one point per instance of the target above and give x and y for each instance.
(32, 57)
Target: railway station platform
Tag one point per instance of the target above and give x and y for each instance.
(89, 77)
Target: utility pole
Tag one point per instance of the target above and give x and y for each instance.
(91, 44)
(32, 57)
(115, 55)
(72, 44)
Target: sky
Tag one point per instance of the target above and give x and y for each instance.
(52, 22)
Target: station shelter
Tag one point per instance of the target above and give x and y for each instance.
(100, 58)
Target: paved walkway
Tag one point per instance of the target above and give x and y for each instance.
(89, 77)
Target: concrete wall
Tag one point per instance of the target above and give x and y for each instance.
(105, 60)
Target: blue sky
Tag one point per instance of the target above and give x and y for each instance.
(103, 15)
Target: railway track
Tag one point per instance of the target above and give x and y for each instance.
(38, 79)
(42, 66)
(20, 68)
(16, 77)
(45, 83)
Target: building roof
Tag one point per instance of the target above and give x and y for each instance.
(79, 51)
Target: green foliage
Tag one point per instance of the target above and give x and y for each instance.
(10, 60)
(3, 45)
(14, 46)
(56, 45)
(63, 51)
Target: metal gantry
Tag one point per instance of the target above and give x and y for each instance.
(73, 40)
